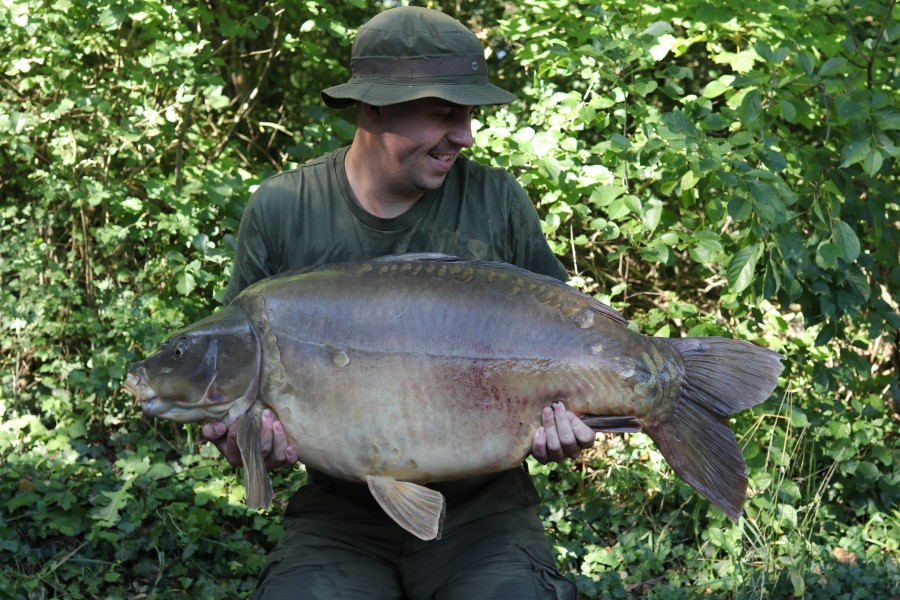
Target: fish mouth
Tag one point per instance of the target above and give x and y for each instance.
(136, 385)
(149, 404)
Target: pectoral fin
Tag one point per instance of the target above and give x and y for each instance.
(257, 485)
(414, 507)
(613, 424)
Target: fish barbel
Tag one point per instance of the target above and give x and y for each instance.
(411, 369)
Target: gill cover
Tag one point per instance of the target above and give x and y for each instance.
(207, 371)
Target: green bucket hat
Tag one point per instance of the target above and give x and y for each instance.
(408, 53)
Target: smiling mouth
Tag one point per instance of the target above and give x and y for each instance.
(443, 157)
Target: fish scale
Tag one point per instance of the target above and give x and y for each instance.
(413, 369)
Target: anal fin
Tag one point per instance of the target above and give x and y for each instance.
(416, 508)
(611, 424)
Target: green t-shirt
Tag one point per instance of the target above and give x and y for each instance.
(308, 217)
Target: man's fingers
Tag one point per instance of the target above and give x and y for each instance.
(539, 446)
(214, 430)
(283, 453)
(230, 447)
(583, 434)
(266, 443)
(554, 447)
(567, 442)
(562, 436)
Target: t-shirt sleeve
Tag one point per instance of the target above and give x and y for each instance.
(529, 247)
(252, 260)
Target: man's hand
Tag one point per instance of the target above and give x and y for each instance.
(272, 439)
(562, 436)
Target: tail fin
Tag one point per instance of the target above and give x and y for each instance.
(722, 377)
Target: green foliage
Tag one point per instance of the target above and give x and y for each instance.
(707, 168)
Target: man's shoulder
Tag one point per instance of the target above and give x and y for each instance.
(478, 181)
(472, 168)
(315, 169)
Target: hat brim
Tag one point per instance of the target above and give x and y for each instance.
(384, 93)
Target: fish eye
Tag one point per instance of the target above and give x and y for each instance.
(180, 348)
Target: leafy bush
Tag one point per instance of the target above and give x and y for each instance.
(707, 168)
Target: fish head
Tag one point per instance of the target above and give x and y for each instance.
(207, 371)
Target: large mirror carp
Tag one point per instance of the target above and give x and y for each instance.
(412, 369)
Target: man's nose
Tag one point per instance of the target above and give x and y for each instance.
(461, 135)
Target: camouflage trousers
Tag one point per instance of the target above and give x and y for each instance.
(338, 544)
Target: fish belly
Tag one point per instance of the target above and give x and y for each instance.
(423, 419)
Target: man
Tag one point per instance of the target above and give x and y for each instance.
(403, 186)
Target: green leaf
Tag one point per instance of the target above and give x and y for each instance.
(603, 195)
(832, 66)
(688, 180)
(767, 202)
(764, 51)
(874, 161)
(797, 580)
(705, 250)
(620, 141)
(717, 87)
(742, 267)
(788, 111)
(715, 122)
(109, 515)
(846, 240)
(645, 86)
(887, 119)
(827, 255)
(751, 107)
(133, 204)
(774, 160)
(618, 209)
(185, 282)
(798, 418)
(678, 122)
(854, 153)
(652, 214)
(656, 252)
(658, 28)
(772, 281)
(806, 63)
(739, 208)
(259, 22)
(840, 449)
(858, 281)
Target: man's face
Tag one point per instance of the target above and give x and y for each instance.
(420, 141)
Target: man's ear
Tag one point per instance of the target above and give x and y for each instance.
(369, 117)
(370, 111)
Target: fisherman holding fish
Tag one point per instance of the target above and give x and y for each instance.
(417, 78)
